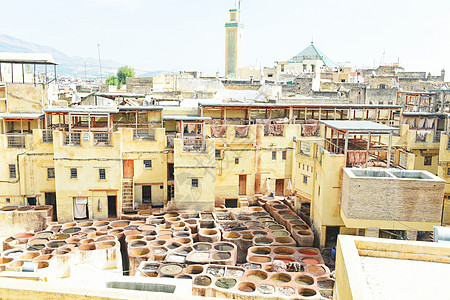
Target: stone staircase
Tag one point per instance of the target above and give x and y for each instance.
(127, 194)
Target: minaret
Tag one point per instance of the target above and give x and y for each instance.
(233, 44)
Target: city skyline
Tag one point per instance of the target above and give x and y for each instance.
(180, 35)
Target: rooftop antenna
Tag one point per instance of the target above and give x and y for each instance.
(312, 39)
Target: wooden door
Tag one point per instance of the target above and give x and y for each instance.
(279, 187)
(128, 168)
(242, 184)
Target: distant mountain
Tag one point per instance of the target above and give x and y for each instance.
(68, 65)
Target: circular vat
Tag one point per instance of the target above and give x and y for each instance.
(37, 241)
(256, 275)
(304, 280)
(24, 235)
(87, 247)
(285, 259)
(105, 245)
(60, 236)
(36, 247)
(260, 250)
(300, 227)
(304, 232)
(43, 234)
(102, 224)
(308, 251)
(221, 255)
(55, 244)
(171, 269)
(30, 255)
(259, 233)
(9, 208)
(248, 236)
(263, 241)
(276, 227)
(149, 274)
(252, 223)
(283, 251)
(16, 264)
(310, 260)
(105, 238)
(259, 259)
(183, 241)
(160, 251)
(283, 240)
(5, 260)
(327, 294)
(67, 225)
(43, 257)
(265, 219)
(71, 230)
(202, 247)
(202, 281)
(164, 237)
(280, 233)
(131, 227)
(247, 287)
(325, 284)
(87, 241)
(164, 227)
(280, 206)
(226, 283)
(307, 292)
(281, 277)
(316, 270)
(89, 229)
(209, 232)
(120, 223)
(85, 224)
(269, 223)
(194, 269)
(232, 235)
(224, 247)
(182, 234)
(139, 251)
(173, 245)
(138, 244)
(266, 289)
(184, 276)
(157, 243)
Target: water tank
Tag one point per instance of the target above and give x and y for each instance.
(441, 234)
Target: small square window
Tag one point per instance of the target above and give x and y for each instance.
(217, 153)
(428, 160)
(12, 171)
(194, 182)
(305, 179)
(274, 155)
(147, 164)
(8, 200)
(73, 173)
(161, 187)
(51, 173)
(319, 190)
(236, 161)
(102, 174)
(283, 155)
(448, 171)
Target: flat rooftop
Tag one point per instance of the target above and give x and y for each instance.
(359, 126)
(390, 278)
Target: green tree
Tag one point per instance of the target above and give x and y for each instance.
(123, 73)
(112, 80)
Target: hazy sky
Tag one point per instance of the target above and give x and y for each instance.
(190, 34)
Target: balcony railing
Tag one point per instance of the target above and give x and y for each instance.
(144, 134)
(72, 138)
(194, 145)
(102, 139)
(47, 136)
(16, 141)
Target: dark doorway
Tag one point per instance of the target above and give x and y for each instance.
(112, 207)
(279, 187)
(170, 192)
(31, 201)
(242, 184)
(170, 172)
(231, 203)
(50, 199)
(147, 194)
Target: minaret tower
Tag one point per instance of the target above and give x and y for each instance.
(233, 43)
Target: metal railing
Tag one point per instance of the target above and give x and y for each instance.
(47, 136)
(72, 138)
(102, 139)
(194, 145)
(16, 141)
(144, 134)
